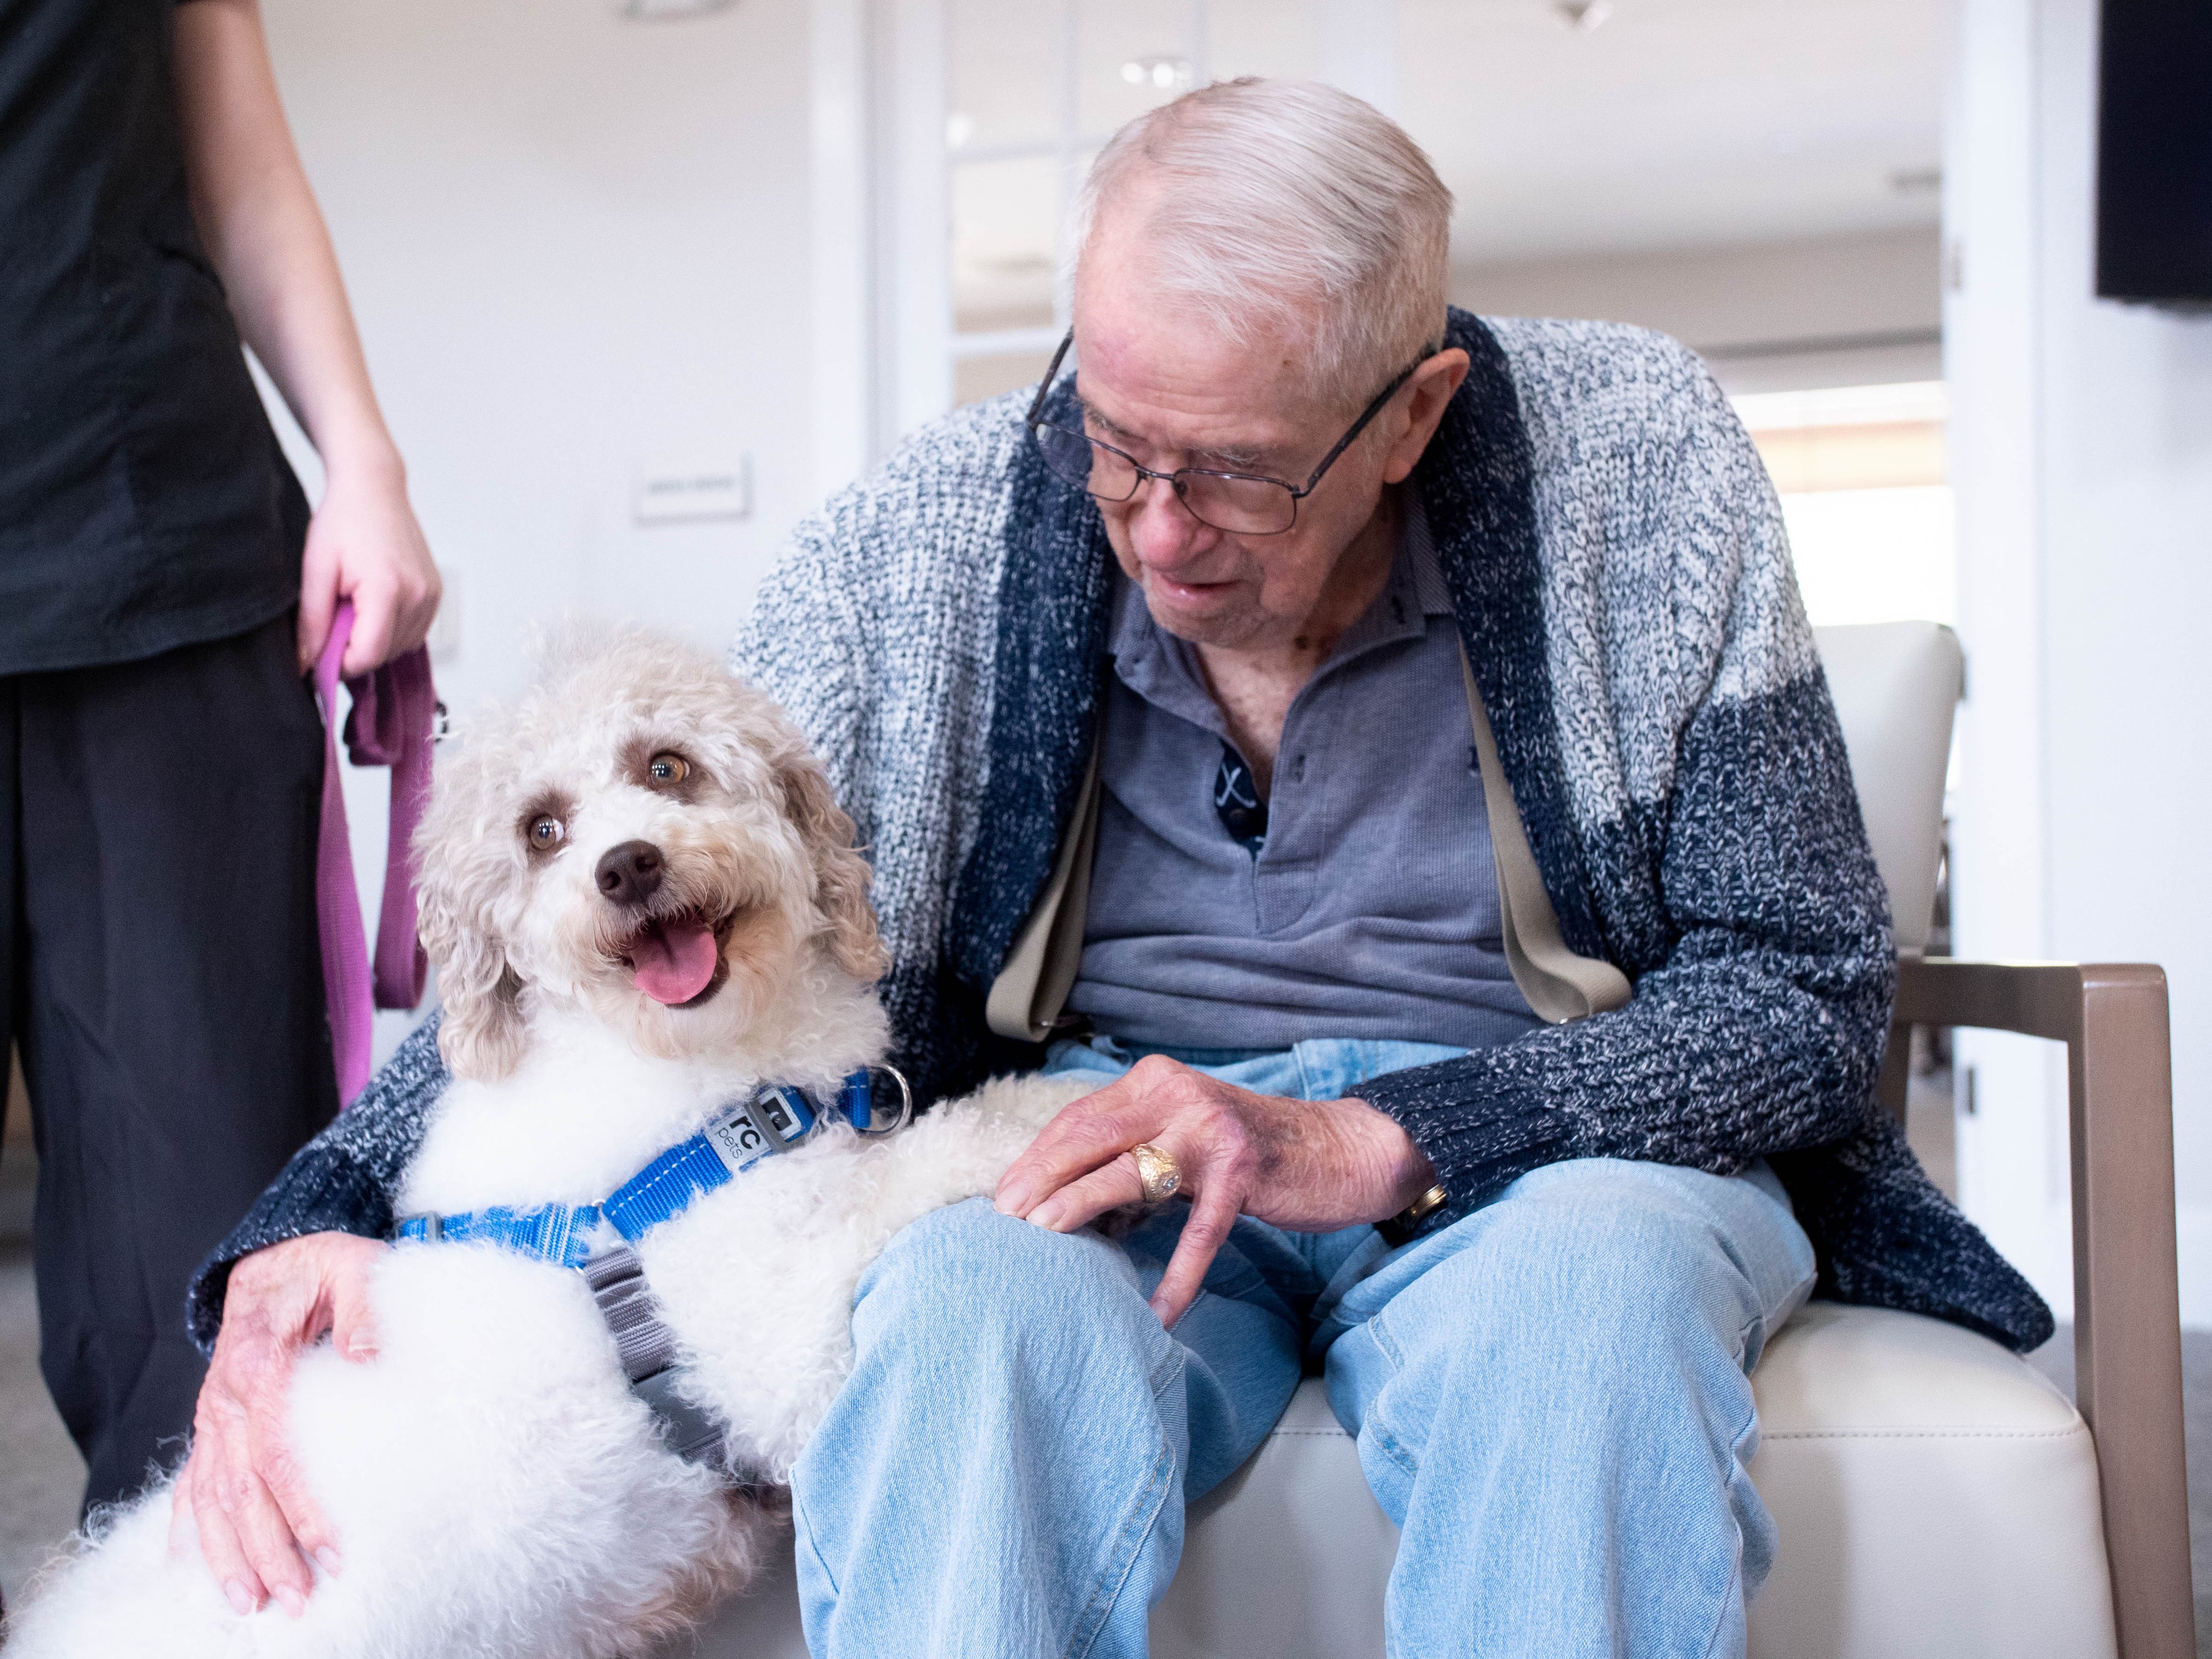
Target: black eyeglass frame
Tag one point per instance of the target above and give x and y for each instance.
(1036, 419)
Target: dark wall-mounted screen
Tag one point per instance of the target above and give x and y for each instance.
(2154, 152)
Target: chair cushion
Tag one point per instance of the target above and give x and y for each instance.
(1935, 1495)
(1286, 1558)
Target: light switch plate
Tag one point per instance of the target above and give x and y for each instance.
(677, 491)
(649, 10)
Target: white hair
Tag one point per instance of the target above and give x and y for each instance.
(1285, 206)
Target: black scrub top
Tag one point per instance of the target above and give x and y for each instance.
(144, 503)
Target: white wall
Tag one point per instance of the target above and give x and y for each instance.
(2082, 453)
(1859, 308)
(576, 245)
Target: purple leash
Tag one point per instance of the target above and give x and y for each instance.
(394, 708)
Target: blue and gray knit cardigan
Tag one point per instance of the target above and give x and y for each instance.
(1618, 565)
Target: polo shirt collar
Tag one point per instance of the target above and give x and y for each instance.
(1164, 670)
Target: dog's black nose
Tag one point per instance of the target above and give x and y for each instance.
(631, 873)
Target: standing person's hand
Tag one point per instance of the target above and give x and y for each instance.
(241, 1488)
(1308, 1165)
(364, 545)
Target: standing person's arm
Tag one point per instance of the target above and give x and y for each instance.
(261, 228)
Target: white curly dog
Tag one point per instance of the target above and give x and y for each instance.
(643, 904)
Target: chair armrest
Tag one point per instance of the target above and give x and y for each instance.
(2127, 1318)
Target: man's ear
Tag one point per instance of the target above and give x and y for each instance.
(481, 1036)
(842, 876)
(1431, 389)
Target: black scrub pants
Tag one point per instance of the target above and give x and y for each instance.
(162, 974)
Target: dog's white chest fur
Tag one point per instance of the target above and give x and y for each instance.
(756, 1279)
(581, 1114)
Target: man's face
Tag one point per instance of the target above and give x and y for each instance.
(1168, 390)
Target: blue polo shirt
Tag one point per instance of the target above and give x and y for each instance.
(1369, 910)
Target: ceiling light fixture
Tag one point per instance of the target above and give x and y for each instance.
(1583, 15)
(1164, 73)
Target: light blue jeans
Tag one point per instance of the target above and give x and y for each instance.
(1550, 1397)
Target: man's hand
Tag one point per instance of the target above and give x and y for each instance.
(240, 1487)
(364, 545)
(1309, 1165)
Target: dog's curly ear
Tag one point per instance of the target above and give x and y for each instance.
(481, 1036)
(842, 876)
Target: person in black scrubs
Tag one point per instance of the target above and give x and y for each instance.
(162, 587)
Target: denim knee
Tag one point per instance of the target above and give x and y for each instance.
(967, 1277)
(1608, 1264)
(1611, 1250)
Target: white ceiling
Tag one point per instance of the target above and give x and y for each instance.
(1676, 124)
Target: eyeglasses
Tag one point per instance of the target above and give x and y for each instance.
(1241, 503)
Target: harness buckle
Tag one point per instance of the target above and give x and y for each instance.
(906, 1105)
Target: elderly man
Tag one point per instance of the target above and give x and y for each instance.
(1385, 749)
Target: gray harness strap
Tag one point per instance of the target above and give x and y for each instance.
(764, 1125)
(647, 1348)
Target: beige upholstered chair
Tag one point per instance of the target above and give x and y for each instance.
(1935, 1495)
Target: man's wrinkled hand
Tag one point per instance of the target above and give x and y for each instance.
(241, 1488)
(1307, 1165)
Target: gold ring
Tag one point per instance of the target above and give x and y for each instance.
(1159, 1172)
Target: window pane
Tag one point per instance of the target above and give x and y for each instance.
(975, 379)
(1866, 556)
(1005, 72)
(1006, 228)
(1131, 56)
(1861, 473)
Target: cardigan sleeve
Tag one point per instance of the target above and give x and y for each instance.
(802, 644)
(343, 1181)
(1757, 1025)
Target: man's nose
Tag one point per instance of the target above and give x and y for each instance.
(1161, 529)
(630, 874)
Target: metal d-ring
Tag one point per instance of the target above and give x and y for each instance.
(906, 1106)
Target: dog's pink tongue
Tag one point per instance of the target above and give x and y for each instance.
(674, 960)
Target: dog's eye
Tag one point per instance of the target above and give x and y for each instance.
(545, 833)
(666, 768)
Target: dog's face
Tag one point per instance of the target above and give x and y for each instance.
(643, 835)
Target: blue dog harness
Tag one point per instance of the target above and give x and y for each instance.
(772, 1119)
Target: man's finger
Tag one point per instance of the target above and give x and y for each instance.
(1086, 1134)
(293, 1524)
(1212, 1214)
(219, 1545)
(267, 1539)
(307, 1530)
(1082, 1202)
(353, 1318)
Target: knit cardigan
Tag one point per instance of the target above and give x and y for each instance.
(1620, 574)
